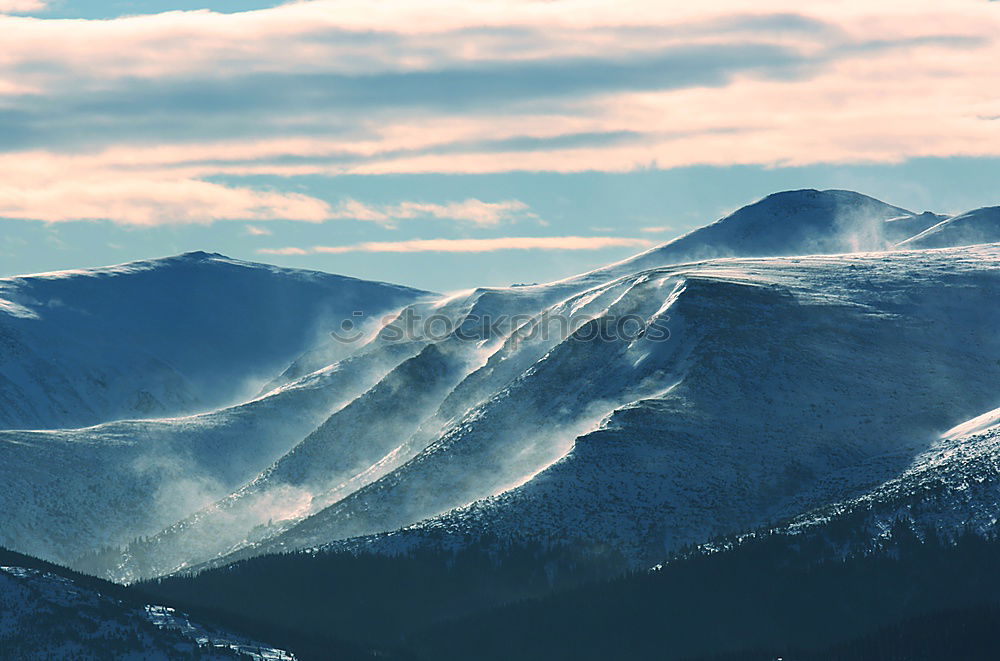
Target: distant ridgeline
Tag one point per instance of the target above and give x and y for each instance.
(794, 596)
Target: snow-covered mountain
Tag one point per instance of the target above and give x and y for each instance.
(760, 405)
(649, 404)
(163, 337)
(798, 222)
(70, 491)
(507, 421)
(979, 226)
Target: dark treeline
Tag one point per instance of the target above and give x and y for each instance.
(793, 596)
(767, 595)
(969, 634)
(10, 558)
(801, 597)
(379, 601)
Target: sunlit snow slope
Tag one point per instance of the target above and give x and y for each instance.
(649, 404)
(785, 384)
(162, 337)
(757, 405)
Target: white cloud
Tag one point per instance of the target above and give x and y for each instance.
(283, 251)
(146, 202)
(21, 6)
(878, 82)
(472, 245)
(146, 187)
(472, 211)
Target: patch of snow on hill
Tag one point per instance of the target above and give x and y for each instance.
(44, 615)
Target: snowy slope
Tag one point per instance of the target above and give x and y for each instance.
(502, 348)
(44, 615)
(953, 487)
(759, 406)
(346, 444)
(69, 492)
(979, 226)
(786, 223)
(162, 337)
(445, 374)
(411, 409)
(746, 397)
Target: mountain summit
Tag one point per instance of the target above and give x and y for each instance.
(162, 336)
(797, 222)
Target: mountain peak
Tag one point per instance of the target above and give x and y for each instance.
(200, 256)
(820, 198)
(792, 222)
(806, 193)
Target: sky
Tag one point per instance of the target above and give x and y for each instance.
(445, 144)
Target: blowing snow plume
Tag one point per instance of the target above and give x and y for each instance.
(762, 407)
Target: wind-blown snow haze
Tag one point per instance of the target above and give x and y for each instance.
(499, 329)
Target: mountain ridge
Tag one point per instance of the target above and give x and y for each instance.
(162, 337)
(505, 416)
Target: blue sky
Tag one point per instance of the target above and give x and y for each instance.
(449, 144)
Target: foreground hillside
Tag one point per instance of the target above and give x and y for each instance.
(47, 612)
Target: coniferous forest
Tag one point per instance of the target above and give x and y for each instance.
(913, 596)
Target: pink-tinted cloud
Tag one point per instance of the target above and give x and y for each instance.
(141, 188)
(283, 251)
(471, 211)
(133, 118)
(21, 6)
(145, 202)
(472, 245)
